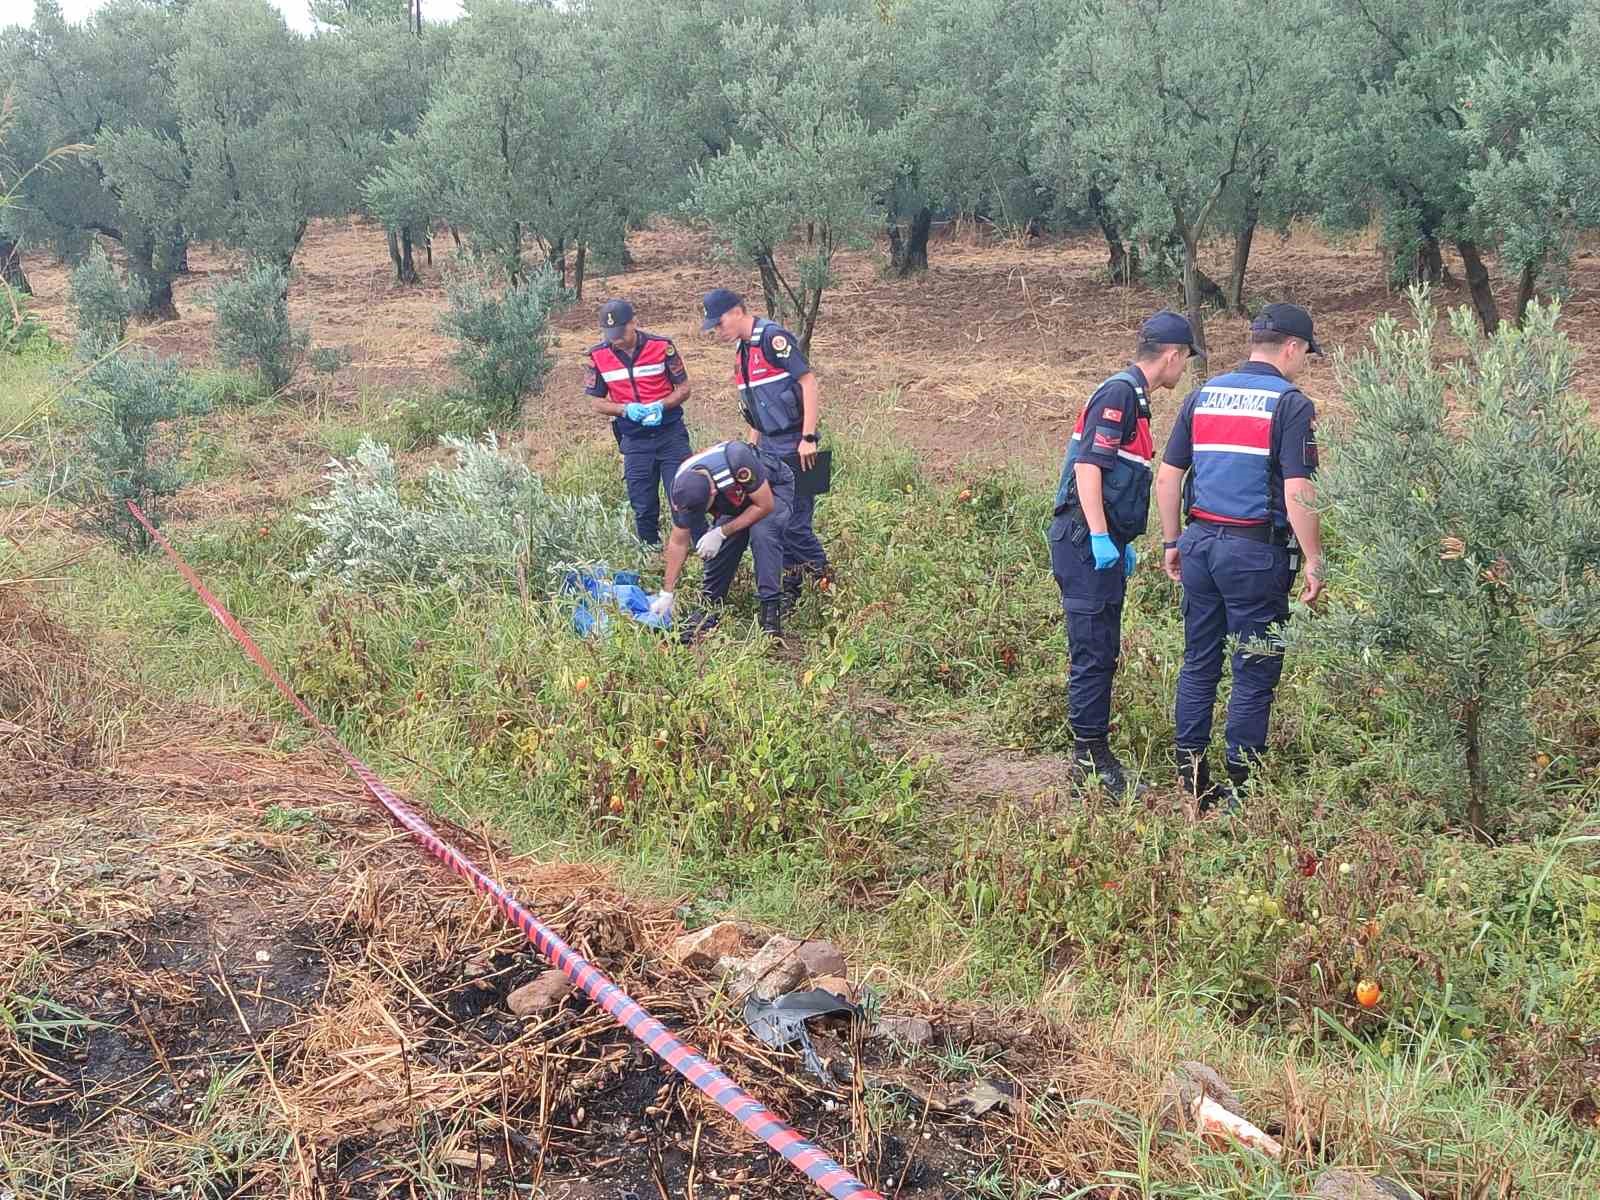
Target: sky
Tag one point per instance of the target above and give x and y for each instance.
(20, 12)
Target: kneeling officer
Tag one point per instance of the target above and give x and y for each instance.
(749, 496)
(1102, 505)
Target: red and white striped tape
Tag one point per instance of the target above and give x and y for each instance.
(761, 1122)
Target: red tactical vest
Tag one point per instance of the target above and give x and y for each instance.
(644, 380)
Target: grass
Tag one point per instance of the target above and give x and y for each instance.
(770, 787)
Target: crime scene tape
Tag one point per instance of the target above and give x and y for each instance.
(758, 1120)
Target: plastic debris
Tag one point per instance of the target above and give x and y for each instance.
(781, 1022)
(600, 593)
(1217, 1125)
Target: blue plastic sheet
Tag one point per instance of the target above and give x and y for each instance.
(602, 593)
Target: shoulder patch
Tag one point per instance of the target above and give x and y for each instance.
(781, 346)
(1111, 414)
(744, 475)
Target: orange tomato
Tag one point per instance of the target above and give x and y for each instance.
(582, 683)
(1368, 993)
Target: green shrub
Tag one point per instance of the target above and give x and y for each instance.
(253, 324)
(19, 328)
(480, 523)
(101, 303)
(1466, 568)
(123, 401)
(507, 345)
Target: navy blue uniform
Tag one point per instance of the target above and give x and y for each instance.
(1240, 436)
(738, 469)
(1113, 433)
(651, 455)
(767, 371)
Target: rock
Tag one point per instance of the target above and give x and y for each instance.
(775, 969)
(822, 958)
(909, 1031)
(1185, 1084)
(837, 984)
(1342, 1184)
(703, 947)
(545, 992)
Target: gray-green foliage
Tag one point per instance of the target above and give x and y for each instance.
(253, 326)
(814, 151)
(478, 524)
(101, 302)
(1468, 549)
(122, 403)
(506, 344)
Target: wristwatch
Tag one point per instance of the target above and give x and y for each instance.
(1169, 545)
(808, 437)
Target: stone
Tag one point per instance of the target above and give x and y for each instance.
(1185, 1084)
(909, 1031)
(775, 969)
(545, 992)
(1342, 1184)
(822, 958)
(704, 947)
(837, 984)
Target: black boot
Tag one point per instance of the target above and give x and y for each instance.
(1092, 759)
(696, 625)
(772, 617)
(1194, 775)
(793, 581)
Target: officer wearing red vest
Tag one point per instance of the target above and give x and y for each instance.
(777, 392)
(1239, 464)
(748, 495)
(638, 380)
(1102, 505)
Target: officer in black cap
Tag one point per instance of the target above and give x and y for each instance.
(1102, 505)
(1239, 465)
(748, 496)
(638, 380)
(778, 397)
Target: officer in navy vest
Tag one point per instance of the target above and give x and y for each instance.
(1102, 506)
(638, 380)
(1239, 465)
(748, 495)
(777, 392)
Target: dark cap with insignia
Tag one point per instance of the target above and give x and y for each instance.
(614, 318)
(717, 302)
(691, 492)
(1167, 328)
(1286, 318)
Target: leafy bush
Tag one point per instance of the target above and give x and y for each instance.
(18, 326)
(123, 401)
(253, 324)
(506, 342)
(101, 303)
(477, 524)
(1468, 557)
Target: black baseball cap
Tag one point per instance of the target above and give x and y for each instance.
(691, 492)
(717, 302)
(614, 317)
(1167, 328)
(1286, 318)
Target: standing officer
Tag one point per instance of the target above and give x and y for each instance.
(749, 495)
(638, 380)
(778, 397)
(1247, 440)
(1102, 505)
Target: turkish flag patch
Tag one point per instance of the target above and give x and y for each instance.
(1111, 414)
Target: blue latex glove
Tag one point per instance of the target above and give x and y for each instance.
(636, 412)
(653, 413)
(1130, 559)
(1106, 554)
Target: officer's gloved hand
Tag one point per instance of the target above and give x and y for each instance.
(1106, 554)
(653, 413)
(661, 606)
(636, 412)
(710, 543)
(1130, 560)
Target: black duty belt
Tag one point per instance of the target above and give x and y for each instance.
(1270, 535)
